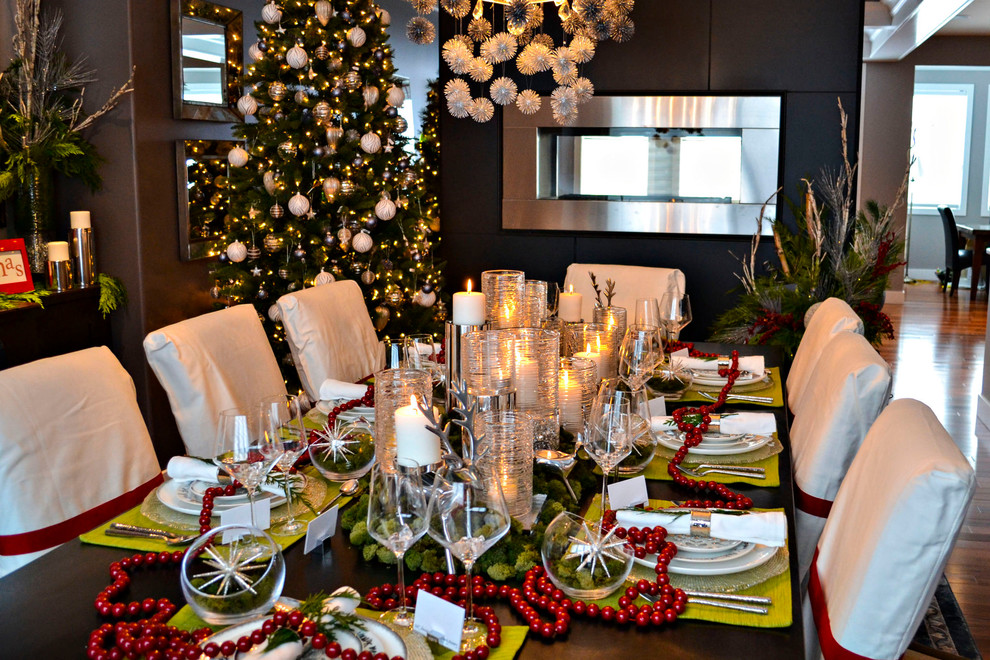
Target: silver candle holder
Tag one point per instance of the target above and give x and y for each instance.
(60, 275)
(82, 256)
(453, 332)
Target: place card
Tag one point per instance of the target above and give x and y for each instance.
(657, 407)
(628, 493)
(320, 529)
(241, 515)
(439, 620)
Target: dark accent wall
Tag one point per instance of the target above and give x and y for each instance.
(809, 52)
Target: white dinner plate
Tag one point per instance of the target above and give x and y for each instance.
(375, 638)
(701, 545)
(672, 440)
(720, 438)
(198, 489)
(711, 378)
(687, 559)
(177, 496)
(326, 407)
(757, 555)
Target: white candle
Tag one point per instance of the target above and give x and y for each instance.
(413, 441)
(596, 357)
(469, 307)
(58, 251)
(569, 306)
(569, 395)
(79, 220)
(527, 382)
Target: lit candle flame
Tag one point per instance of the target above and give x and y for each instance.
(469, 285)
(598, 341)
(570, 288)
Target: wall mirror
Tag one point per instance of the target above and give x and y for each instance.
(207, 55)
(204, 198)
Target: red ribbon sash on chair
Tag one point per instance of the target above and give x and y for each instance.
(53, 535)
(811, 504)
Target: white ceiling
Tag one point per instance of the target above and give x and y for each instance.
(974, 20)
(894, 28)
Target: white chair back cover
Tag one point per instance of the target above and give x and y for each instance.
(844, 395)
(833, 315)
(890, 533)
(631, 283)
(74, 451)
(330, 334)
(210, 363)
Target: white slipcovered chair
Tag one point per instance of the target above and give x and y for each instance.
(631, 282)
(74, 451)
(210, 363)
(891, 530)
(843, 397)
(832, 316)
(330, 334)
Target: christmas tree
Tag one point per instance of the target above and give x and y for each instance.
(429, 155)
(322, 188)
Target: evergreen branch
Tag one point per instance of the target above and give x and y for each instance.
(113, 294)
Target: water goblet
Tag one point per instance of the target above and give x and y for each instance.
(610, 436)
(243, 452)
(647, 312)
(639, 355)
(397, 519)
(421, 353)
(281, 420)
(675, 313)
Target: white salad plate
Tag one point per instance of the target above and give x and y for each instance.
(178, 496)
(747, 443)
(733, 562)
(710, 378)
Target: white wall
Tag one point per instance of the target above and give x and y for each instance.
(417, 63)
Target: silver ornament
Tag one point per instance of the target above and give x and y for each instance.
(352, 135)
(385, 208)
(256, 54)
(274, 313)
(272, 243)
(299, 253)
(276, 211)
(347, 187)
(215, 293)
(368, 277)
(401, 125)
(394, 298)
(426, 299)
(395, 96)
(237, 251)
(277, 91)
(298, 204)
(283, 273)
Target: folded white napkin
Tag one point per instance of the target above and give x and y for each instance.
(183, 468)
(339, 389)
(766, 528)
(751, 363)
(742, 422)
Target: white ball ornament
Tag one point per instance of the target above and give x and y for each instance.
(426, 299)
(246, 105)
(395, 96)
(296, 57)
(237, 252)
(323, 277)
(370, 95)
(385, 208)
(324, 11)
(371, 143)
(256, 54)
(237, 157)
(331, 186)
(274, 313)
(362, 242)
(269, 180)
(271, 13)
(298, 204)
(385, 17)
(357, 37)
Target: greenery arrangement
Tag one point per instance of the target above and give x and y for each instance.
(12, 300)
(834, 252)
(113, 295)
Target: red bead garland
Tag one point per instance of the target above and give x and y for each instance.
(367, 400)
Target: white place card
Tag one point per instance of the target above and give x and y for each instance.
(628, 493)
(241, 515)
(439, 620)
(320, 529)
(657, 407)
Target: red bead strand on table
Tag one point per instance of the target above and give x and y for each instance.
(367, 400)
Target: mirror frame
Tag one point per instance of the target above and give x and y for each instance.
(232, 21)
(189, 249)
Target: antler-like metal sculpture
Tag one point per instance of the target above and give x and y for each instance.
(463, 415)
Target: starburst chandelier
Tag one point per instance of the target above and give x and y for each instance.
(480, 58)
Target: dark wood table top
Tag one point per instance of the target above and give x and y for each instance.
(46, 607)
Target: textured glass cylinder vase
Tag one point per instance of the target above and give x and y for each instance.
(33, 214)
(509, 438)
(488, 361)
(393, 388)
(577, 384)
(613, 318)
(537, 364)
(534, 304)
(591, 342)
(504, 290)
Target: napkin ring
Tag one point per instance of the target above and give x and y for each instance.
(724, 362)
(701, 523)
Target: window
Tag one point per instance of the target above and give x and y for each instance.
(941, 124)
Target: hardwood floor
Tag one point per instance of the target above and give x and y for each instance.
(937, 358)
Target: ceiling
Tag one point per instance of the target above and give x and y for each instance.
(894, 28)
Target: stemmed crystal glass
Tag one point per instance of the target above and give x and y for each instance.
(647, 312)
(421, 353)
(244, 452)
(397, 519)
(675, 313)
(553, 299)
(468, 515)
(639, 355)
(281, 420)
(610, 436)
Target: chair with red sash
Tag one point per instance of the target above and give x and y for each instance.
(211, 363)
(832, 316)
(74, 451)
(844, 395)
(330, 334)
(891, 530)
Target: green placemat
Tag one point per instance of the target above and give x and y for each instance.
(657, 470)
(777, 588)
(134, 517)
(775, 390)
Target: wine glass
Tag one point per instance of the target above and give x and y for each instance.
(468, 515)
(647, 312)
(675, 313)
(639, 355)
(397, 519)
(553, 299)
(281, 421)
(243, 452)
(610, 437)
(421, 353)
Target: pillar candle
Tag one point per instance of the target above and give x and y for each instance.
(569, 305)
(58, 251)
(569, 395)
(469, 307)
(527, 382)
(413, 441)
(594, 356)
(79, 220)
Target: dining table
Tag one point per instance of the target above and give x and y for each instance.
(980, 237)
(46, 607)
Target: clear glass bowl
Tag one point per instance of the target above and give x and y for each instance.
(346, 452)
(571, 541)
(669, 383)
(228, 583)
(644, 447)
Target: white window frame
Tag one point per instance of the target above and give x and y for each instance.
(985, 201)
(966, 89)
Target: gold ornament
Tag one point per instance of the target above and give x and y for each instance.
(344, 236)
(276, 211)
(352, 80)
(324, 11)
(382, 315)
(287, 148)
(357, 37)
(321, 110)
(331, 186)
(269, 181)
(368, 277)
(296, 57)
(322, 52)
(272, 243)
(370, 95)
(276, 90)
(347, 187)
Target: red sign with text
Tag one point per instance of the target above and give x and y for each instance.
(15, 274)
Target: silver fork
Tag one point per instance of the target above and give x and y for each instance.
(120, 529)
(719, 466)
(732, 473)
(738, 602)
(751, 398)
